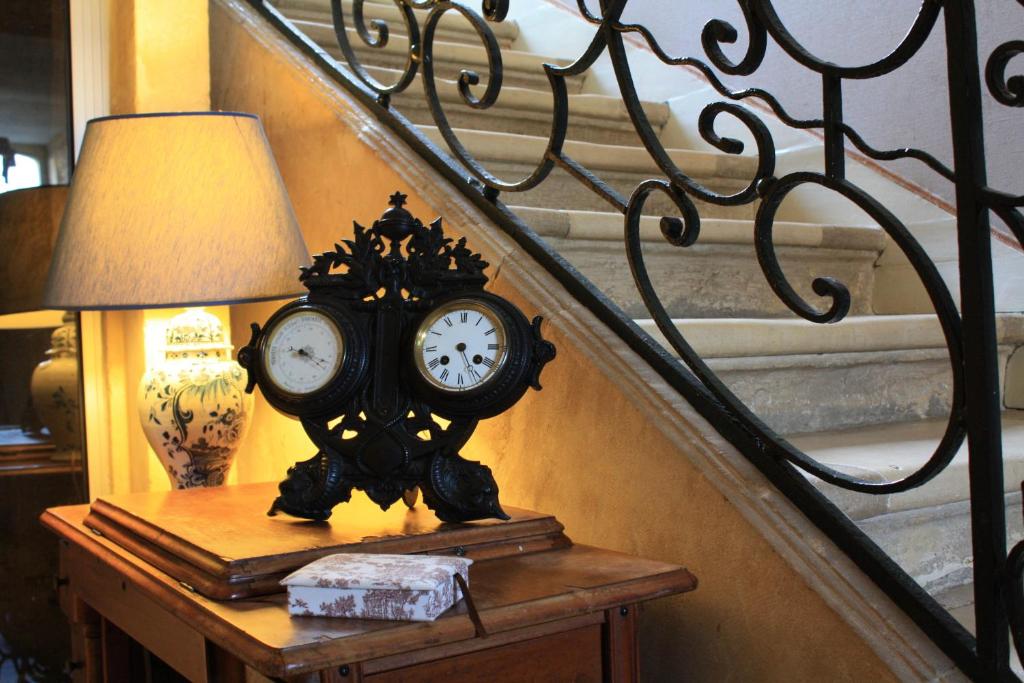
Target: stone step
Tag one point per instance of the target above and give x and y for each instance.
(803, 377)
(519, 69)
(719, 275)
(597, 118)
(959, 602)
(513, 157)
(927, 529)
(522, 111)
(452, 27)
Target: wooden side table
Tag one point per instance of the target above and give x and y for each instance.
(562, 614)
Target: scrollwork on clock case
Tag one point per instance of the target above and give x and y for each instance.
(389, 436)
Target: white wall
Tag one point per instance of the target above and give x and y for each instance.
(907, 108)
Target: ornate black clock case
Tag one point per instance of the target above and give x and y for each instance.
(383, 298)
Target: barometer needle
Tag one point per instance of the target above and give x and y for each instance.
(306, 354)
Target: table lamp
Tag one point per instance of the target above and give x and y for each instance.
(29, 221)
(173, 210)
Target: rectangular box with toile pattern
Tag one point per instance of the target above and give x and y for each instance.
(375, 586)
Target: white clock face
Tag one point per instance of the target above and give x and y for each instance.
(303, 352)
(460, 346)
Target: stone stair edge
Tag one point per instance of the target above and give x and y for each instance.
(933, 543)
(578, 224)
(496, 146)
(767, 337)
(464, 54)
(506, 31)
(589, 105)
(885, 453)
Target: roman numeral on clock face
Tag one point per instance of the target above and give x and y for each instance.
(434, 362)
(444, 374)
(464, 316)
(488, 362)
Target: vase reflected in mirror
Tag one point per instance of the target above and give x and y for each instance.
(55, 391)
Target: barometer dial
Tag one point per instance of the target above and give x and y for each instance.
(303, 352)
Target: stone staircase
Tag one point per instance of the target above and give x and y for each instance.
(867, 395)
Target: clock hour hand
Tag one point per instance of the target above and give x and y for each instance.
(473, 374)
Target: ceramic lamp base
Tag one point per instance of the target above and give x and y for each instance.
(193, 406)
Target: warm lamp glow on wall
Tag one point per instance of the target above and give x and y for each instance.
(171, 210)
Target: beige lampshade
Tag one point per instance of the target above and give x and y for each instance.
(32, 320)
(29, 220)
(174, 210)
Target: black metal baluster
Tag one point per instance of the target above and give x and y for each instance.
(982, 409)
(832, 113)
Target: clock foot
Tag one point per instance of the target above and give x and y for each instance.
(312, 489)
(459, 490)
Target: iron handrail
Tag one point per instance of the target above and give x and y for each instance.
(969, 333)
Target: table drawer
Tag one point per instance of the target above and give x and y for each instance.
(561, 657)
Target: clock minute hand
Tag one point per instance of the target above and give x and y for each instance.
(469, 367)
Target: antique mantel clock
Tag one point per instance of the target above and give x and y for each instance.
(389, 364)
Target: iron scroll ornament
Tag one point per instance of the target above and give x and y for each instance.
(373, 419)
(967, 327)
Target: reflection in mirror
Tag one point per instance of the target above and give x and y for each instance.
(41, 464)
(39, 405)
(35, 107)
(41, 453)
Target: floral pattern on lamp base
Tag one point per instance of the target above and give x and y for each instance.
(193, 407)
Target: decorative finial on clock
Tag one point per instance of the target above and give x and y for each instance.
(396, 223)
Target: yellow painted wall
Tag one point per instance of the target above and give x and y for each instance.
(159, 56)
(579, 449)
(159, 62)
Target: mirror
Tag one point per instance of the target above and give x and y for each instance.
(41, 446)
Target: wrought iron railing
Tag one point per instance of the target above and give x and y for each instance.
(969, 332)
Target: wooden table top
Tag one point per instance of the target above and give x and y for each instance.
(222, 543)
(510, 593)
